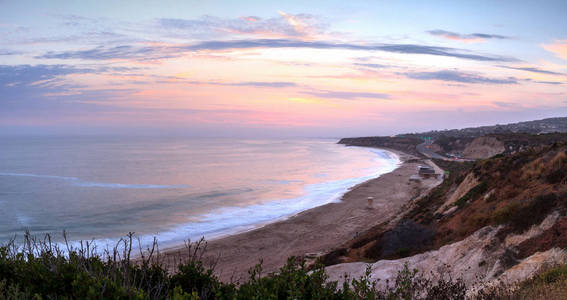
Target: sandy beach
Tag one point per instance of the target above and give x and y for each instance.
(319, 229)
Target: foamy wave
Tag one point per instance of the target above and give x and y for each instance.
(231, 220)
(78, 182)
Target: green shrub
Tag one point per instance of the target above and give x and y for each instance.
(522, 216)
(553, 275)
(39, 270)
(463, 201)
(472, 194)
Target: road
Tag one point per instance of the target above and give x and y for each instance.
(424, 149)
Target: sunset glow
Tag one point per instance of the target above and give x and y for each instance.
(282, 68)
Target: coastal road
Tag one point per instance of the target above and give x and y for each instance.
(424, 148)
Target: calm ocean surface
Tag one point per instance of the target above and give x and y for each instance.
(172, 188)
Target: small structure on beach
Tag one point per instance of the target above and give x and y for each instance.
(426, 171)
(415, 178)
(370, 202)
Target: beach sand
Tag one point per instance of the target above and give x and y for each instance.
(320, 229)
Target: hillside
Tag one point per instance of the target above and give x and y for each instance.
(491, 144)
(549, 125)
(503, 217)
(475, 142)
(405, 144)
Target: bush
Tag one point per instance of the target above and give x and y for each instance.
(472, 194)
(548, 284)
(557, 172)
(40, 270)
(521, 217)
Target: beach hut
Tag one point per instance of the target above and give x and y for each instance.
(426, 171)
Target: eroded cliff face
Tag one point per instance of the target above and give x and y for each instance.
(481, 259)
(483, 147)
(503, 218)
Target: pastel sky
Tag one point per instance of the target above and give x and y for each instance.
(278, 68)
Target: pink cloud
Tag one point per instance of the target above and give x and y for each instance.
(251, 19)
(559, 48)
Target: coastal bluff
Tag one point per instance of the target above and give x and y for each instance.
(499, 220)
(404, 144)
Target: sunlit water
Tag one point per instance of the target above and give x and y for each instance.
(172, 188)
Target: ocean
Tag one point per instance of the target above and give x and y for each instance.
(172, 188)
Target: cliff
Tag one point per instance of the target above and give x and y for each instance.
(405, 144)
(502, 218)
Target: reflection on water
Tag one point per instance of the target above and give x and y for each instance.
(175, 188)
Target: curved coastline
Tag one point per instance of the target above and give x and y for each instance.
(316, 230)
(316, 195)
(230, 223)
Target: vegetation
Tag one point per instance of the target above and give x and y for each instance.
(549, 284)
(406, 144)
(514, 190)
(39, 269)
(473, 193)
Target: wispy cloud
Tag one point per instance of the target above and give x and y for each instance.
(25, 75)
(394, 48)
(346, 95)
(303, 26)
(117, 52)
(469, 38)
(548, 82)
(260, 84)
(457, 76)
(543, 81)
(534, 70)
(505, 104)
(76, 30)
(9, 52)
(558, 48)
(275, 84)
(251, 18)
(27, 82)
(372, 66)
(149, 52)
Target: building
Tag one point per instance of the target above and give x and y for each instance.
(426, 171)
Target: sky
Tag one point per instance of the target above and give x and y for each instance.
(278, 68)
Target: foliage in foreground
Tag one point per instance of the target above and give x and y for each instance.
(39, 269)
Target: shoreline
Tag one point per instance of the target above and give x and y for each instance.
(400, 156)
(316, 230)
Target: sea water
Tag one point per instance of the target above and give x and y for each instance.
(101, 188)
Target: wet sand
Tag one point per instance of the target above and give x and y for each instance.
(320, 229)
